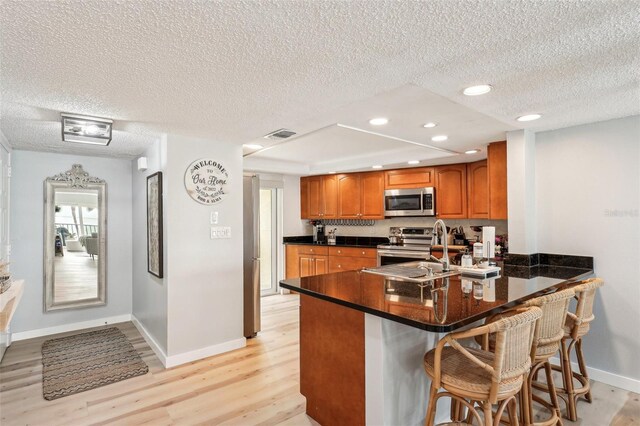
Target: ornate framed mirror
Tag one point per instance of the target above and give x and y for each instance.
(75, 240)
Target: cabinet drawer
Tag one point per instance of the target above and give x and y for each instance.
(345, 263)
(353, 252)
(319, 250)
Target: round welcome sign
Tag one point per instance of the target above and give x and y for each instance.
(206, 181)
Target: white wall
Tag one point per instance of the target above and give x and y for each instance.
(521, 173)
(29, 170)
(293, 225)
(149, 304)
(205, 279)
(582, 174)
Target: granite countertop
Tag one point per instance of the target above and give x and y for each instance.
(341, 241)
(435, 306)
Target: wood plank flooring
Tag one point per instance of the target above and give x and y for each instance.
(256, 385)
(76, 276)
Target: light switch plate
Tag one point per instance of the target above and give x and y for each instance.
(214, 218)
(220, 232)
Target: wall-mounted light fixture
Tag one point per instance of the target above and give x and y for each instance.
(142, 164)
(85, 129)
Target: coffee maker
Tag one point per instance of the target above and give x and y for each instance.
(318, 232)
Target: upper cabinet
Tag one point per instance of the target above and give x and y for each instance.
(497, 171)
(451, 191)
(360, 195)
(478, 190)
(318, 197)
(473, 190)
(418, 177)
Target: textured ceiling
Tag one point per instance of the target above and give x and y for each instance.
(233, 71)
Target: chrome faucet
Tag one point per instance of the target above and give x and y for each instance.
(445, 246)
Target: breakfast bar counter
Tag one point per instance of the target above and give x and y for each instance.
(363, 336)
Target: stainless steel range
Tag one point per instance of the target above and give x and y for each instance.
(412, 243)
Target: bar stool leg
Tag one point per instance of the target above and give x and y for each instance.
(431, 408)
(488, 413)
(572, 413)
(583, 369)
(552, 391)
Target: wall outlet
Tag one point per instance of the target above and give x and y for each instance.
(214, 218)
(220, 232)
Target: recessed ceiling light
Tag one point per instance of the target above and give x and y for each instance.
(480, 89)
(430, 125)
(379, 121)
(472, 151)
(332, 173)
(529, 117)
(377, 166)
(253, 146)
(440, 138)
(413, 162)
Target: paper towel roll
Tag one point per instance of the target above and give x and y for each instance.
(489, 242)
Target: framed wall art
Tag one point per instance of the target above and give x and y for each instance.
(154, 224)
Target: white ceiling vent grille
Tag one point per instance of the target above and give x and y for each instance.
(280, 134)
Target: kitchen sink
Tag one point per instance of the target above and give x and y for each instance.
(420, 271)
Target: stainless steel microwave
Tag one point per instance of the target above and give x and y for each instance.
(410, 202)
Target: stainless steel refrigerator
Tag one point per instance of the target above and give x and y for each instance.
(251, 264)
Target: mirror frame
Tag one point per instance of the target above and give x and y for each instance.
(74, 179)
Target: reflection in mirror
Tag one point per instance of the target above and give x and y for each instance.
(75, 240)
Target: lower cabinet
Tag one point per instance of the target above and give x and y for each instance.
(306, 260)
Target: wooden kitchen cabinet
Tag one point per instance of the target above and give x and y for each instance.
(451, 191)
(351, 258)
(418, 177)
(360, 195)
(497, 178)
(478, 190)
(305, 260)
(318, 197)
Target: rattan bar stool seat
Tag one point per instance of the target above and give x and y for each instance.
(458, 374)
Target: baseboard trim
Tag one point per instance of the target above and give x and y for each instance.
(155, 347)
(186, 357)
(183, 358)
(23, 335)
(611, 379)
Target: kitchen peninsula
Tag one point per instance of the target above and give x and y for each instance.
(363, 336)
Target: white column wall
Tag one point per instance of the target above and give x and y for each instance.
(588, 202)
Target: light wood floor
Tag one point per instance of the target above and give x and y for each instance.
(76, 276)
(256, 385)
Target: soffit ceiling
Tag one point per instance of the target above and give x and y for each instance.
(234, 71)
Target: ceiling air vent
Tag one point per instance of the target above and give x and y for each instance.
(280, 134)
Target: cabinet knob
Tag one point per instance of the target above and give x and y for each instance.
(363, 252)
(340, 266)
(311, 250)
(339, 251)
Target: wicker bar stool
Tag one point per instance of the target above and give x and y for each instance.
(576, 327)
(474, 376)
(550, 332)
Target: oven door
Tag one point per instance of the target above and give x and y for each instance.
(390, 257)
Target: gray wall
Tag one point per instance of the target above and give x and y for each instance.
(583, 174)
(205, 280)
(29, 170)
(149, 292)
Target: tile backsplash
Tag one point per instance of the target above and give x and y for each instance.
(381, 227)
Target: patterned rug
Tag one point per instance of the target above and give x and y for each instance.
(86, 361)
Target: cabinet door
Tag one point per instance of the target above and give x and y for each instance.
(306, 265)
(314, 192)
(418, 177)
(497, 170)
(330, 196)
(451, 191)
(321, 265)
(372, 192)
(292, 263)
(478, 190)
(349, 196)
(304, 198)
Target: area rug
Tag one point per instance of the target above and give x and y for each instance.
(86, 361)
